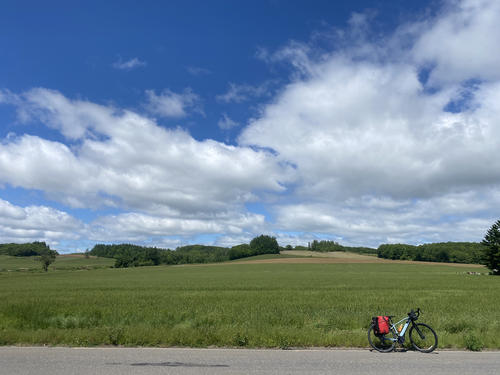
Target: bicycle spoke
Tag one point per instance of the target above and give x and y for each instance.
(425, 340)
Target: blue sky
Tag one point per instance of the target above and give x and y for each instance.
(168, 123)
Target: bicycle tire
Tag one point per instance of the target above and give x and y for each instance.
(428, 342)
(381, 343)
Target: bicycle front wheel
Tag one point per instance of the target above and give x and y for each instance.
(423, 338)
(381, 343)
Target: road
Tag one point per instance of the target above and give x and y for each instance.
(123, 361)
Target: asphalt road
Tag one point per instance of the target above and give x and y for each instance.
(110, 361)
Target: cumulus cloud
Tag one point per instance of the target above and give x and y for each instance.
(171, 104)
(36, 223)
(357, 124)
(461, 42)
(128, 64)
(140, 227)
(122, 159)
(370, 220)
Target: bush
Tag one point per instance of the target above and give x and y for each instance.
(473, 343)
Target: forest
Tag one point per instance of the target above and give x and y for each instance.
(449, 252)
(25, 249)
(128, 255)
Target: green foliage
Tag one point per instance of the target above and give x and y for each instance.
(47, 258)
(264, 244)
(240, 251)
(127, 255)
(299, 247)
(24, 250)
(326, 246)
(473, 342)
(448, 252)
(491, 243)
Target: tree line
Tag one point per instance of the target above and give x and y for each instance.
(25, 249)
(128, 255)
(327, 246)
(449, 252)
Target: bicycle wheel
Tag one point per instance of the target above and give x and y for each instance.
(423, 338)
(381, 343)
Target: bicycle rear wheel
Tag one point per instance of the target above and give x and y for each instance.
(381, 343)
(423, 338)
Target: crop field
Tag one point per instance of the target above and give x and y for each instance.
(63, 262)
(240, 304)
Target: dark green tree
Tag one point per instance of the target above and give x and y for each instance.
(264, 245)
(491, 242)
(47, 258)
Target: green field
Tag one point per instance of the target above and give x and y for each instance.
(251, 305)
(63, 262)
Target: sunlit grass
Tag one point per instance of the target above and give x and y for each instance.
(252, 305)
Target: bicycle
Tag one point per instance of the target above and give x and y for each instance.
(422, 337)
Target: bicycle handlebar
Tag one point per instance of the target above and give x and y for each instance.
(414, 314)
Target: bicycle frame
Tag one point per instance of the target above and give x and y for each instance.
(403, 330)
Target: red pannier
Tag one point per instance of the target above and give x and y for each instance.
(381, 325)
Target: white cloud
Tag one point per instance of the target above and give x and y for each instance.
(171, 104)
(36, 223)
(360, 124)
(140, 227)
(462, 42)
(129, 64)
(226, 122)
(125, 160)
(241, 93)
(370, 221)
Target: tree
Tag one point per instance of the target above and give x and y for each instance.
(47, 258)
(491, 242)
(264, 245)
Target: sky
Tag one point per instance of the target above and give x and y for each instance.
(193, 122)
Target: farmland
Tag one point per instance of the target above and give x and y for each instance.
(277, 303)
(63, 262)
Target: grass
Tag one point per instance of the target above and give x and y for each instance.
(249, 305)
(62, 262)
(269, 256)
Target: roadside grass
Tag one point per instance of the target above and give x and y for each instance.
(245, 305)
(62, 262)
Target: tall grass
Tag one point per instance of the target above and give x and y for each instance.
(251, 305)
